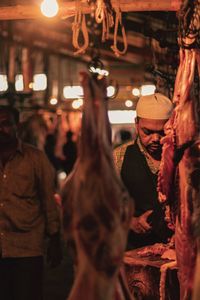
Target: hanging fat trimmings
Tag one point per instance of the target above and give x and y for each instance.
(103, 12)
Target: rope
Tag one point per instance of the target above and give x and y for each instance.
(99, 13)
(107, 23)
(118, 22)
(79, 25)
(104, 15)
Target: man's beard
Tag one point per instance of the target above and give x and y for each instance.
(155, 150)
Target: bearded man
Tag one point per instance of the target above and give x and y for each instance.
(138, 163)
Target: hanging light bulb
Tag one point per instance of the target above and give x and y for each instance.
(49, 8)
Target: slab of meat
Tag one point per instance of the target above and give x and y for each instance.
(186, 134)
(157, 249)
(96, 206)
(179, 174)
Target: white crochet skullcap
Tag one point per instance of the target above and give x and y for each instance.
(156, 106)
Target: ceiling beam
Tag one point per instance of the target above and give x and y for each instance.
(60, 42)
(68, 9)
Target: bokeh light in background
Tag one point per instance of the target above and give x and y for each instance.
(19, 84)
(3, 83)
(136, 92)
(76, 104)
(53, 101)
(148, 89)
(129, 103)
(110, 91)
(122, 116)
(39, 82)
(72, 92)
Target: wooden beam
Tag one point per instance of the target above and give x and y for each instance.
(61, 43)
(68, 9)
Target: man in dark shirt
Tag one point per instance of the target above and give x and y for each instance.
(28, 213)
(70, 152)
(138, 164)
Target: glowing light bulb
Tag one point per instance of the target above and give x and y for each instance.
(49, 8)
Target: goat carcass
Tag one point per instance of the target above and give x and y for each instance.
(97, 209)
(176, 180)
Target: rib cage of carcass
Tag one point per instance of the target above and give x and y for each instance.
(96, 206)
(179, 176)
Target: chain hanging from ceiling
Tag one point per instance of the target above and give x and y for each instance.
(103, 13)
(189, 24)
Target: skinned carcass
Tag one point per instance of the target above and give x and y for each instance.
(178, 180)
(96, 207)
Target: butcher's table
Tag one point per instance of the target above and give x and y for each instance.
(144, 275)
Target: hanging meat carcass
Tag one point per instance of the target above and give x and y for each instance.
(179, 175)
(96, 206)
(186, 136)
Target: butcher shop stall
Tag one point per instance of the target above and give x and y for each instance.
(76, 71)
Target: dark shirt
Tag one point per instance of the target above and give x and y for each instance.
(28, 211)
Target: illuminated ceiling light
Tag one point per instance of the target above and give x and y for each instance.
(76, 104)
(49, 8)
(53, 101)
(136, 92)
(19, 84)
(110, 91)
(72, 92)
(148, 89)
(129, 103)
(3, 83)
(39, 82)
(122, 116)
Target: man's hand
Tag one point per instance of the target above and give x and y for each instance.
(54, 250)
(140, 224)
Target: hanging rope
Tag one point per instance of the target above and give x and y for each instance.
(78, 26)
(99, 13)
(103, 14)
(107, 23)
(118, 22)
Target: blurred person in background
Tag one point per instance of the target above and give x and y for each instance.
(70, 152)
(28, 213)
(50, 145)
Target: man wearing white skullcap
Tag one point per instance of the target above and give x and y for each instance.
(156, 106)
(138, 163)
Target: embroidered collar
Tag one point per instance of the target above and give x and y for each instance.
(153, 167)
